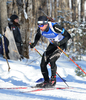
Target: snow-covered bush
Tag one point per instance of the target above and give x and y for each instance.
(79, 72)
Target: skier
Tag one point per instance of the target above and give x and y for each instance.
(14, 26)
(57, 36)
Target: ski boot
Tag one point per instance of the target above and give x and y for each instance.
(45, 84)
(53, 81)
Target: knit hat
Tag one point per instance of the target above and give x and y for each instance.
(42, 20)
(13, 17)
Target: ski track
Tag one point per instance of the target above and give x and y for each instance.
(23, 74)
(46, 95)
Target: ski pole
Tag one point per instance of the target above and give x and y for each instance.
(33, 61)
(72, 60)
(37, 51)
(50, 66)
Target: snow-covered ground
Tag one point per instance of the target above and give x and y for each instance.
(24, 73)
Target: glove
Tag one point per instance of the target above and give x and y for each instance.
(56, 43)
(32, 45)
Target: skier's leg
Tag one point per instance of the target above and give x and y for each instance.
(44, 61)
(55, 55)
(44, 69)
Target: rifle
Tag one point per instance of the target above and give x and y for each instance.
(48, 17)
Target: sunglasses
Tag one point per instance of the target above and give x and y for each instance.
(40, 25)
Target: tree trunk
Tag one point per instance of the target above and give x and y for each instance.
(9, 9)
(73, 2)
(15, 7)
(82, 9)
(48, 5)
(55, 11)
(52, 5)
(3, 7)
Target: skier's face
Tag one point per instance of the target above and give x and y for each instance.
(42, 28)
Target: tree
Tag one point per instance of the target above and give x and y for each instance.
(55, 11)
(73, 2)
(3, 8)
(59, 9)
(79, 72)
(82, 10)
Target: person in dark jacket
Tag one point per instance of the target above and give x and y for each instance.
(14, 26)
(57, 36)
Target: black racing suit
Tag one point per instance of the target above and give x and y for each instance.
(52, 53)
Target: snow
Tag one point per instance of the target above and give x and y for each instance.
(25, 73)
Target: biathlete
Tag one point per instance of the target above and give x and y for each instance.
(57, 36)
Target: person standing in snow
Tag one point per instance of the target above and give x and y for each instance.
(57, 36)
(14, 26)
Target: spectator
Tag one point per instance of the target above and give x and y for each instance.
(14, 26)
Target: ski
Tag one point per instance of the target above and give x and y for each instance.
(46, 89)
(35, 89)
(15, 88)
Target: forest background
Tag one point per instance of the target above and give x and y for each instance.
(71, 14)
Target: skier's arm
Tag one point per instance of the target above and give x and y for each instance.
(66, 37)
(37, 37)
(60, 29)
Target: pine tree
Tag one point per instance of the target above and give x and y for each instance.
(79, 72)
